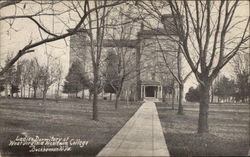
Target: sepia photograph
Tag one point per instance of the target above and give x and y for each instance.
(124, 78)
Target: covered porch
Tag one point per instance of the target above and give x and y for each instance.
(151, 89)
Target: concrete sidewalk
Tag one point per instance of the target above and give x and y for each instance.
(141, 136)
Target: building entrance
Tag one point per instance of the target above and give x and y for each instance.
(150, 91)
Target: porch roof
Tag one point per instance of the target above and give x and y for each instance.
(150, 82)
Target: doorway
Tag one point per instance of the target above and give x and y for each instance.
(150, 91)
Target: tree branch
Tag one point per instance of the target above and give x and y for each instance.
(8, 3)
(54, 38)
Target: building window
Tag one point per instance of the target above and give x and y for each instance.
(153, 76)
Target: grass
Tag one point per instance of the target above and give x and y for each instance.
(228, 130)
(63, 119)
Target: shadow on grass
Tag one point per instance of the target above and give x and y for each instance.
(64, 119)
(180, 144)
(229, 133)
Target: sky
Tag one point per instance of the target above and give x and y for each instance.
(24, 31)
(11, 40)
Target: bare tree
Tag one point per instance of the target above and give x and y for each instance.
(8, 3)
(8, 77)
(50, 72)
(178, 75)
(23, 65)
(96, 25)
(206, 42)
(35, 75)
(59, 80)
(152, 15)
(241, 64)
(47, 9)
(209, 34)
(121, 36)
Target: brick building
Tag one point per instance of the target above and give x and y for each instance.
(151, 77)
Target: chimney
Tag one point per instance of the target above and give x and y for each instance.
(168, 21)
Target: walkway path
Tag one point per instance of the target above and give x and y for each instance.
(141, 136)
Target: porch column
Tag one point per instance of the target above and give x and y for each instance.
(141, 91)
(160, 92)
(155, 92)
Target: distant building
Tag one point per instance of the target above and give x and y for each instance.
(151, 78)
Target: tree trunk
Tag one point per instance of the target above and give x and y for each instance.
(163, 94)
(180, 108)
(24, 91)
(138, 91)
(212, 94)
(95, 94)
(29, 92)
(173, 97)
(34, 92)
(95, 109)
(21, 91)
(44, 95)
(6, 90)
(90, 95)
(127, 98)
(57, 92)
(110, 96)
(203, 111)
(117, 99)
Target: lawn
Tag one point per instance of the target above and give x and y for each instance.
(67, 118)
(228, 130)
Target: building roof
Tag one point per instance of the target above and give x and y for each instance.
(159, 31)
(150, 82)
(117, 43)
(120, 43)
